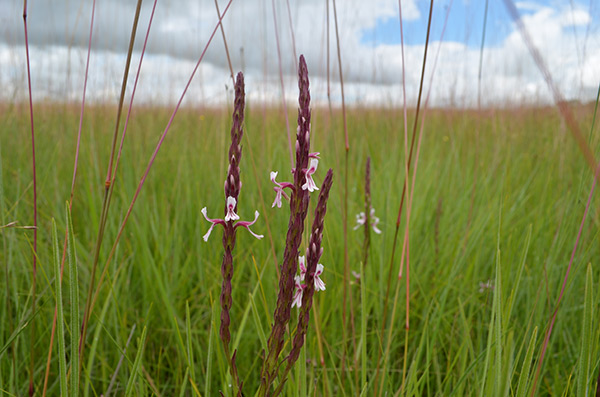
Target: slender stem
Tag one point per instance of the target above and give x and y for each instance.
(476, 149)
(561, 104)
(283, 102)
(564, 284)
(328, 67)
(485, 15)
(346, 296)
(151, 161)
(289, 12)
(62, 264)
(34, 181)
(408, 164)
(225, 42)
(107, 190)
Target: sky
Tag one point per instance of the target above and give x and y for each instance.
(265, 37)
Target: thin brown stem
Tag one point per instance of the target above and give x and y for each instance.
(62, 263)
(346, 296)
(151, 162)
(283, 102)
(107, 190)
(34, 182)
(289, 12)
(225, 42)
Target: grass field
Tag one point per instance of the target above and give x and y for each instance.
(499, 196)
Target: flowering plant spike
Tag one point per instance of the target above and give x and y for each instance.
(232, 189)
(312, 272)
(291, 287)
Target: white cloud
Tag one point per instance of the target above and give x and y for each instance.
(372, 74)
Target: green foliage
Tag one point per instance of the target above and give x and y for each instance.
(473, 167)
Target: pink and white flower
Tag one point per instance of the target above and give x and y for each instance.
(298, 292)
(374, 221)
(230, 216)
(302, 265)
(247, 225)
(310, 184)
(279, 192)
(213, 223)
(319, 284)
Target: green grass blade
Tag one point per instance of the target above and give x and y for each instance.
(363, 329)
(60, 318)
(188, 331)
(137, 365)
(184, 383)
(585, 359)
(526, 368)
(95, 342)
(74, 295)
(516, 283)
(259, 329)
(209, 353)
(498, 327)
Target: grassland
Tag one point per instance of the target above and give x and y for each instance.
(499, 196)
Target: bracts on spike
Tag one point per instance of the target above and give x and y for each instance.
(299, 200)
(232, 189)
(313, 254)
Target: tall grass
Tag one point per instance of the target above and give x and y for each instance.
(497, 236)
(528, 171)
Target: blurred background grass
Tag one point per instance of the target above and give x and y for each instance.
(485, 180)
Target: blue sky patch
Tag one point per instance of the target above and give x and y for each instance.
(465, 23)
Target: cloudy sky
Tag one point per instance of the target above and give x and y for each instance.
(567, 33)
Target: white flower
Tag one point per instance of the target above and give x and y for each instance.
(310, 183)
(374, 221)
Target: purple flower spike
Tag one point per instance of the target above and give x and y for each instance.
(247, 225)
(213, 221)
(310, 183)
(231, 215)
(279, 192)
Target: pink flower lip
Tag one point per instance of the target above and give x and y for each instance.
(310, 184)
(231, 215)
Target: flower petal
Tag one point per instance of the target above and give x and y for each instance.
(302, 265)
(273, 176)
(247, 225)
(277, 201)
(207, 235)
(319, 284)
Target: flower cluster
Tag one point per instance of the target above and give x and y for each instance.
(309, 185)
(361, 218)
(230, 216)
(300, 283)
(296, 289)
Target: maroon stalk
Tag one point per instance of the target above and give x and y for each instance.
(31, 388)
(298, 209)
(232, 189)
(313, 255)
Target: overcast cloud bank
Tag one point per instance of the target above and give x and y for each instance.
(567, 37)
